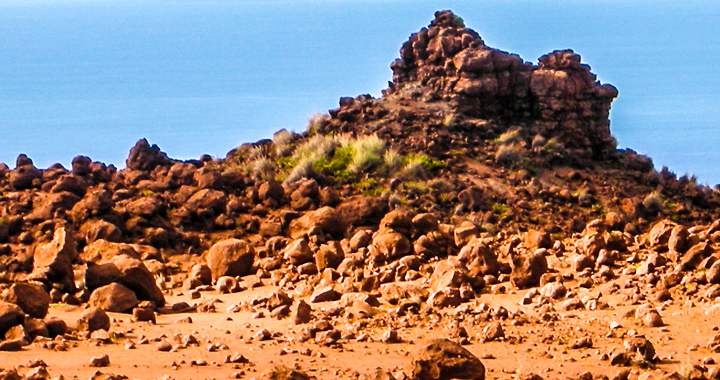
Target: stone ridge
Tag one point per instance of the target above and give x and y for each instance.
(558, 98)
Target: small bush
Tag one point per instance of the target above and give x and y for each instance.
(316, 122)
(538, 142)
(367, 153)
(413, 167)
(553, 146)
(511, 136)
(282, 140)
(653, 202)
(257, 151)
(509, 154)
(305, 168)
(392, 159)
(262, 169)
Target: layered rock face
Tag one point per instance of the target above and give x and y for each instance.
(558, 98)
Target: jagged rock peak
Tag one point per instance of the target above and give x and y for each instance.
(145, 157)
(558, 98)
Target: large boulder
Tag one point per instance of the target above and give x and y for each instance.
(145, 157)
(94, 319)
(23, 176)
(325, 218)
(389, 245)
(527, 269)
(31, 298)
(10, 315)
(442, 359)
(114, 297)
(103, 250)
(230, 257)
(52, 262)
(298, 252)
(137, 277)
(207, 203)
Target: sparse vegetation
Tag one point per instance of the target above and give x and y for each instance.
(653, 202)
(509, 154)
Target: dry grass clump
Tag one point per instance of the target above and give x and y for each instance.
(509, 154)
(262, 168)
(367, 153)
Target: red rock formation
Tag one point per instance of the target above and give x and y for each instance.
(559, 97)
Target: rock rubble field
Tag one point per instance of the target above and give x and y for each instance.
(477, 222)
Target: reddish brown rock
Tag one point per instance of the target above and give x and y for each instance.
(30, 297)
(114, 297)
(298, 252)
(389, 245)
(10, 315)
(145, 157)
(53, 261)
(527, 270)
(137, 277)
(231, 257)
(325, 218)
(94, 319)
(442, 359)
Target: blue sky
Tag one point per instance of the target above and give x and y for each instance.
(92, 77)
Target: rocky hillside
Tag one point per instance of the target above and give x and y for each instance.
(476, 172)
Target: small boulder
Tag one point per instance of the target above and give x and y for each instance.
(93, 319)
(114, 297)
(527, 270)
(300, 312)
(442, 359)
(10, 315)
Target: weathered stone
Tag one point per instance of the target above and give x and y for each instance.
(100, 361)
(230, 257)
(300, 312)
(538, 239)
(324, 294)
(143, 314)
(10, 315)
(649, 316)
(226, 284)
(442, 359)
(660, 233)
(389, 245)
(138, 278)
(448, 275)
(114, 297)
(30, 297)
(464, 233)
(145, 157)
(527, 270)
(641, 346)
(298, 252)
(329, 256)
(53, 261)
(325, 218)
(493, 331)
(94, 319)
(102, 250)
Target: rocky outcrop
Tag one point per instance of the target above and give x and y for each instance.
(559, 97)
(145, 157)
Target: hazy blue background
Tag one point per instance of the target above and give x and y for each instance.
(92, 77)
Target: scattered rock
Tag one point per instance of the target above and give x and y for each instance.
(442, 359)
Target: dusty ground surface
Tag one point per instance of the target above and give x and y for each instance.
(531, 344)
